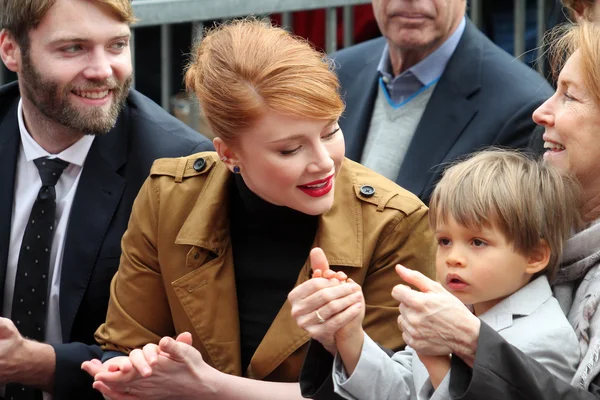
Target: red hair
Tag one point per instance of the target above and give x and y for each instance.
(246, 68)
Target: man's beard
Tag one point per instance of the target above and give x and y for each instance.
(53, 102)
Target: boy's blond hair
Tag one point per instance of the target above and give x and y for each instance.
(526, 199)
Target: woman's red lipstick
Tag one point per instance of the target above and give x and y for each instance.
(318, 188)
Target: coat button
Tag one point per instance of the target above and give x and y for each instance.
(367, 191)
(199, 164)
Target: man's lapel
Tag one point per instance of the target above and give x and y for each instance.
(9, 150)
(98, 195)
(446, 116)
(360, 99)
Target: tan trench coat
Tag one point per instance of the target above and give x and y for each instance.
(177, 274)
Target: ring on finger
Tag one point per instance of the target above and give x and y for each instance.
(319, 317)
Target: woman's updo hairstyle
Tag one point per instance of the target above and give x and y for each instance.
(245, 68)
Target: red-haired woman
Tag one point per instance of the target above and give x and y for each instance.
(216, 241)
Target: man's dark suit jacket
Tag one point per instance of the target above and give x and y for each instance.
(503, 372)
(114, 170)
(484, 97)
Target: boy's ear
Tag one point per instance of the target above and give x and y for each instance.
(538, 258)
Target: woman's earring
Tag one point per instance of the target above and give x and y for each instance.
(236, 170)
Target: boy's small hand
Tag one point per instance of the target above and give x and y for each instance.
(351, 326)
(349, 337)
(322, 305)
(320, 266)
(437, 368)
(318, 261)
(330, 274)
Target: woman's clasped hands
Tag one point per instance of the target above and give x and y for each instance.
(329, 306)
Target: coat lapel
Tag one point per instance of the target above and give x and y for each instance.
(446, 116)
(9, 150)
(360, 99)
(98, 194)
(521, 303)
(282, 339)
(215, 317)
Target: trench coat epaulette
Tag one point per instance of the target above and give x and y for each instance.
(375, 189)
(369, 186)
(184, 167)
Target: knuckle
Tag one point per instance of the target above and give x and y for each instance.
(295, 311)
(304, 326)
(313, 332)
(133, 353)
(303, 323)
(149, 346)
(333, 308)
(324, 296)
(358, 295)
(319, 283)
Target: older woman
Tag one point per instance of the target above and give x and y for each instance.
(437, 324)
(579, 11)
(216, 241)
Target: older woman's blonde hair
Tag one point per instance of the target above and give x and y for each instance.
(245, 68)
(566, 39)
(525, 198)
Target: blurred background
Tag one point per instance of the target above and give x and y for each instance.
(167, 28)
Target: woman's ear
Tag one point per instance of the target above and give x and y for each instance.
(226, 153)
(538, 258)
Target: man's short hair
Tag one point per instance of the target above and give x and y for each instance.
(525, 198)
(19, 17)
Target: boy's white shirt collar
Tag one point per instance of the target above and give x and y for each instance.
(523, 302)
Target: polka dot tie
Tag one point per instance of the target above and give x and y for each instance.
(31, 282)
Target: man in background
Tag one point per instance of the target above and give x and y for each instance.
(76, 144)
(432, 89)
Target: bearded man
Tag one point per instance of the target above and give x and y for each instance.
(76, 144)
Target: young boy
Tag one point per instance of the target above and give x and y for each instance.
(500, 220)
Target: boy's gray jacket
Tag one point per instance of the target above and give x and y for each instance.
(531, 319)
